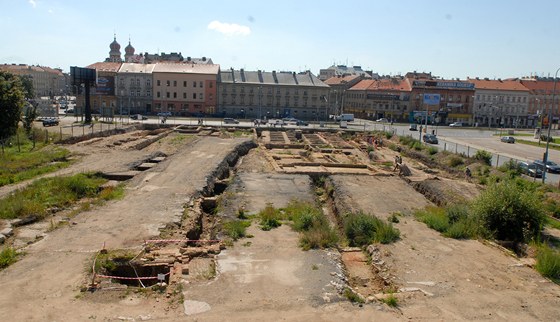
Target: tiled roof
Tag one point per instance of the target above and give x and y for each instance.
(490, 84)
(105, 66)
(270, 78)
(391, 84)
(336, 80)
(24, 67)
(540, 86)
(137, 68)
(186, 68)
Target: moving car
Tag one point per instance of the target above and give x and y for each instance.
(550, 166)
(229, 120)
(456, 124)
(530, 169)
(382, 120)
(508, 139)
(164, 114)
(50, 121)
(301, 123)
(430, 138)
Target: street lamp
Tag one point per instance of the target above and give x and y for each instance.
(545, 157)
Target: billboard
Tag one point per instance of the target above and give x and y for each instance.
(105, 85)
(82, 75)
(431, 99)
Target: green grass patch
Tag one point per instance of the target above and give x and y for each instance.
(391, 300)
(363, 229)
(434, 217)
(542, 144)
(8, 256)
(19, 166)
(314, 227)
(552, 222)
(236, 229)
(548, 262)
(47, 194)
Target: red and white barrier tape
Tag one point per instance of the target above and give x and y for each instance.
(180, 240)
(129, 278)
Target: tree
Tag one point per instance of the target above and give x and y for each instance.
(12, 100)
(28, 89)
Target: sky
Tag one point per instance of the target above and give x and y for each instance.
(449, 38)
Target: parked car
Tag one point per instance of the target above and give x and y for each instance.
(530, 169)
(229, 120)
(164, 114)
(138, 117)
(430, 138)
(413, 127)
(70, 111)
(456, 124)
(50, 121)
(508, 139)
(301, 123)
(382, 120)
(550, 166)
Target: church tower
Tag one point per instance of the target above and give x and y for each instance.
(128, 52)
(115, 53)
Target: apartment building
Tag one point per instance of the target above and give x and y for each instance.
(134, 88)
(102, 97)
(260, 94)
(185, 89)
(540, 100)
(383, 98)
(500, 103)
(46, 81)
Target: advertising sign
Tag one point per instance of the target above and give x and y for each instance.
(105, 85)
(431, 99)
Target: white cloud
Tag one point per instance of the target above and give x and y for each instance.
(230, 29)
(33, 3)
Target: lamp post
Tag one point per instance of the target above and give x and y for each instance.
(545, 157)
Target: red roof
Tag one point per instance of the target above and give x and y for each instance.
(490, 84)
(385, 84)
(540, 86)
(337, 80)
(105, 66)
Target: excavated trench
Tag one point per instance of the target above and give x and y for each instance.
(196, 235)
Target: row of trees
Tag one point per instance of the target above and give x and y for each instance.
(16, 93)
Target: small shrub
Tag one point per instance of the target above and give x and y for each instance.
(236, 229)
(548, 263)
(312, 223)
(319, 237)
(432, 150)
(465, 228)
(8, 256)
(484, 156)
(388, 135)
(394, 218)
(385, 233)
(394, 147)
(512, 212)
(455, 161)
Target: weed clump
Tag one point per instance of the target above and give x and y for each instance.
(236, 229)
(548, 262)
(8, 256)
(270, 218)
(362, 229)
(312, 223)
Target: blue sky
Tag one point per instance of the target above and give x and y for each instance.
(484, 38)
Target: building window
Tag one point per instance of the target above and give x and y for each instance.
(168, 83)
(194, 95)
(210, 97)
(193, 84)
(131, 93)
(148, 93)
(184, 83)
(158, 94)
(138, 82)
(174, 94)
(148, 83)
(174, 83)
(168, 94)
(211, 84)
(185, 107)
(200, 84)
(138, 93)
(185, 95)
(200, 96)
(158, 82)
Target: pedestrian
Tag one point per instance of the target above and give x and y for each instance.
(468, 174)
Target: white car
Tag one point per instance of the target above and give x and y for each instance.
(456, 124)
(382, 120)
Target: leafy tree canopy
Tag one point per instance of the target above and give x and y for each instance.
(12, 100)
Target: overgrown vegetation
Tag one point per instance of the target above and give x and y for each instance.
(8, 256)
(548, 262)
(270, 217)
(24, 162)
(484, 156)
(353, 296)
(47, 195)
(363, 229)
(391, 300)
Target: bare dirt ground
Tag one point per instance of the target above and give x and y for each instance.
(268, 277)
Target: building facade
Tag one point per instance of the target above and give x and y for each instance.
(259, 95)
(384, 98)
(338, 87)
(103, 97)
(46, 81)
(134, 88)
(540, 101)
(185, 89)
(343, 70)
(500, 103)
